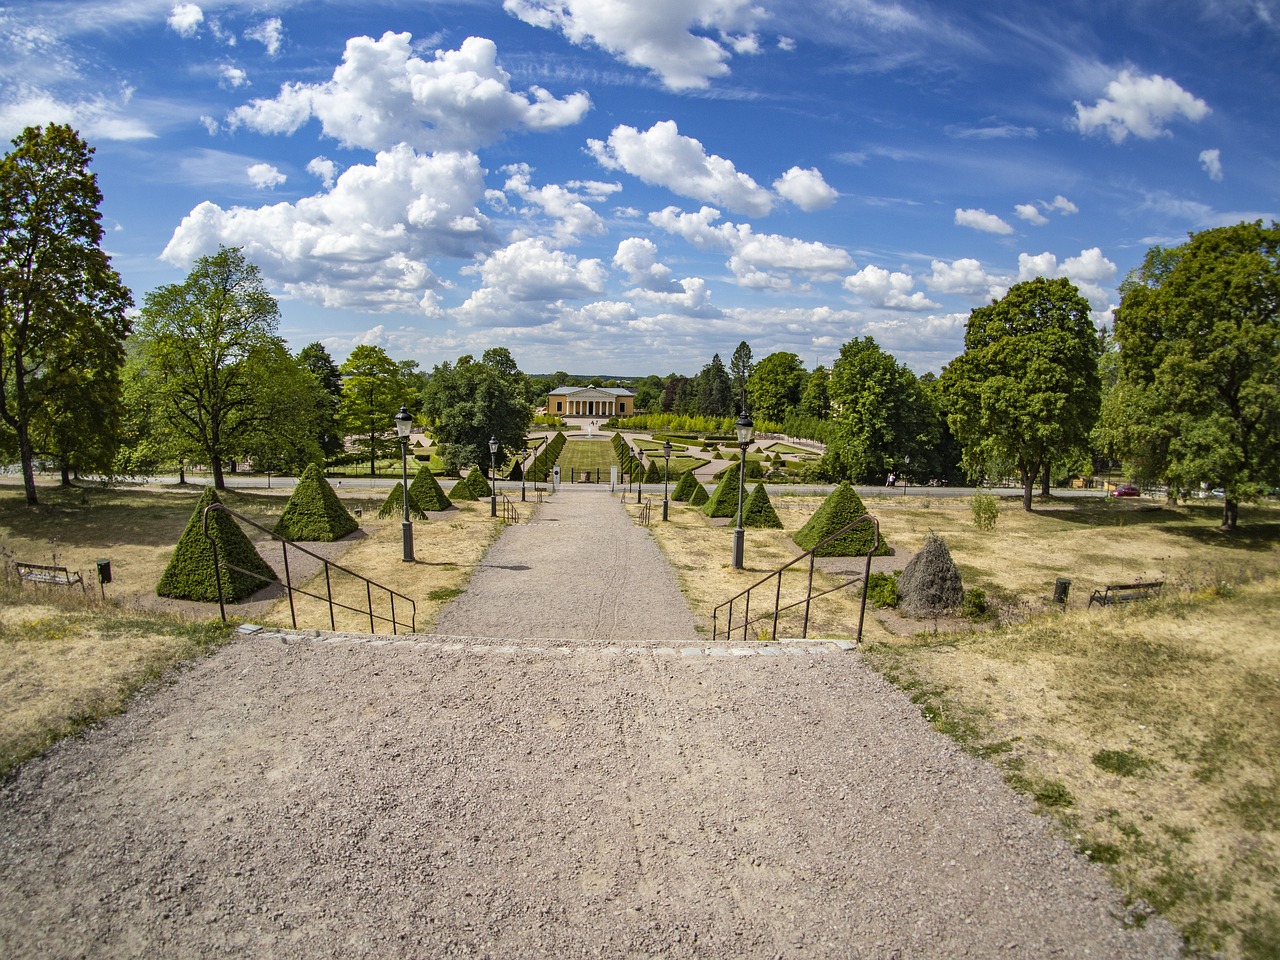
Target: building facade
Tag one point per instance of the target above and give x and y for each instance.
(591, 402)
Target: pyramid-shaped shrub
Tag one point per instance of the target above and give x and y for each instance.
(314, 512)
(462, 490)
(189, 575)
(478, 484)
(393, 506)
(654, 473)
(699, 495)
(723, 501)
(840, 508)
(930, 584)
(758, 512)
(684, 486)
(426, 492)
(517, 470)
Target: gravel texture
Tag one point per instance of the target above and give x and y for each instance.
(302, 795)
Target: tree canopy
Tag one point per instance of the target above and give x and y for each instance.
(62, 307)
(373, 391)
(774, 387)
(1026, 390)
(468, 402)
(1198, 328)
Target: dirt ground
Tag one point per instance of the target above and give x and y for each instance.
(303, 796)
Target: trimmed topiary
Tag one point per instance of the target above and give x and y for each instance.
(314, 512)
(684, 486)
(426, 492)
(758, 511)
(699, 495)
(929, 585)
(189, 575)
(393, 506)
(723, 501)
(654, 473)
(462, 490)
(517, 470)
(840, 508)
(477, 482)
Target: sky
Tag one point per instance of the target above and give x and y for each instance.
(627, 187)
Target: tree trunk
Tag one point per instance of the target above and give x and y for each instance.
(1230, 513)
(218, 482)
(182, 474)
(1028, 481)
(373, 455)
(66, 475)
(28, 468)
(1044, 481)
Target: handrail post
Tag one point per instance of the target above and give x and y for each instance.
(328, 589)
(804, 633)
(288, 583)
(746, 615)
(213, 543)
(395, 627)
(368, 589)
(777, 602)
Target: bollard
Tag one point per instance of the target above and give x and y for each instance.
(1061, 587)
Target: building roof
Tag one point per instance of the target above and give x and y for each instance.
(612, 391)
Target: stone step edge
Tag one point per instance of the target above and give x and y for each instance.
(780, 647)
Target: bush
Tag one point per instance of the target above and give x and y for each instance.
(393, 506)
(758, 512)
(723, 501)
(314, 512)
(699, 495)
(189, 575)
(426, 492)
(478, 484)
(684, 486)
(841, 507)
(882, 589)
(462, 490)
(986, 510)
(974, 606)
(930, 584)
(654, 473)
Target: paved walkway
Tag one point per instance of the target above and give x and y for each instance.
(581, 569)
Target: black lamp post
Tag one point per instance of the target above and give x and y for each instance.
(666, 474)
(493, 478)
(745, 428)
(404, 421)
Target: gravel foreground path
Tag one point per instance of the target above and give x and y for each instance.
(302, 796)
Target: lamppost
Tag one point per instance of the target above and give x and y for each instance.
(745, 428)
(404, 420)
(493, 478)
(906, 462)
(666, 474)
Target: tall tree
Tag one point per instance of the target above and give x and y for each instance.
(814, 401)
(373, 390)
(316, 360)
(774, 386)
(1026, 390)
(1199, 332)
(740, 368)
(715, 390)
(209, 350)
(468, 403)
(62, 307)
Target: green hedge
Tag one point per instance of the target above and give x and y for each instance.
(189, 575)
(314, 512)
(684, 486)
(841, 507)
(723, 501)
(426, 492)
(393, 506)
(758, 512)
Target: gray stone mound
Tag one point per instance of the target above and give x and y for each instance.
(930, 584)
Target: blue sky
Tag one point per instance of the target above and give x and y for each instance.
(629, 186)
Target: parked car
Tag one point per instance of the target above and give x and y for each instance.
(1126, 490)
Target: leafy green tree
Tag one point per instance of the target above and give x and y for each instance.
(63, 308)
(1198, 400)
(373, 391)
(814, 401)
(316, 360)
(881, 417)
(1025, 392)
(224, 386)
(715, 390)
(740, 368)
(469, 402)
(774, 386)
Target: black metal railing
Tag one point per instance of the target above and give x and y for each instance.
(809, 596)
(646, 512)
(291, 589)
(510, 514)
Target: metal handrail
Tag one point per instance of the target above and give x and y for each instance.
(510, 514)
(291, 589)
(809, 597)
(645, 511)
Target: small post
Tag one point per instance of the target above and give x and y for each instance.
(666, 475)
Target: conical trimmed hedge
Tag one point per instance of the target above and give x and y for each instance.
(699, 495)
(758, 511)
(314, 512)
(426, 492)
(723, 501)
(840, 508)
(930, 585)
(654, 473)
(189, 575)
(477, 482)
(393, 506)
(462, 490)
(684, 486)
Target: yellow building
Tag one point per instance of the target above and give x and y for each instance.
(598, 403)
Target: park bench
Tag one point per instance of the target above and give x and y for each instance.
(47, 573)
(1126, 593)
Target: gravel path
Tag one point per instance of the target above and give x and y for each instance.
(303, 796)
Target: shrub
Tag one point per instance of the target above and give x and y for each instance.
(974, 606)
(314, 512)
(930, 584)
(462, 490)
(882, 589)
(699, 495)
(986, 510)
(517, 470)
(393, 506)
(684, 486)
(758, 512)
(841, 507)
(478, 484)
(426, 492)
(189, 575)
(654, 473)
(723, 501)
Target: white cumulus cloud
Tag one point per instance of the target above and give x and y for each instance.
(1088, 271)
(269, 33)
(662, 157)
(264, 176)
(232, 76)
(1064, 206)
(325, 169)
(806, 189)
(363, 245)
(568, 208)
(964, 277)
(382, 94)
(523, 283)
(1139, 105)
(657, 35)
(1211, 160)
(981, 220)
(881, 288)
(1031, 213)
(185, 19)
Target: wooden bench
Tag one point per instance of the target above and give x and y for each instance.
(1126, 593)
(47, 573)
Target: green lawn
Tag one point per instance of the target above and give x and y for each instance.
(593, 455)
